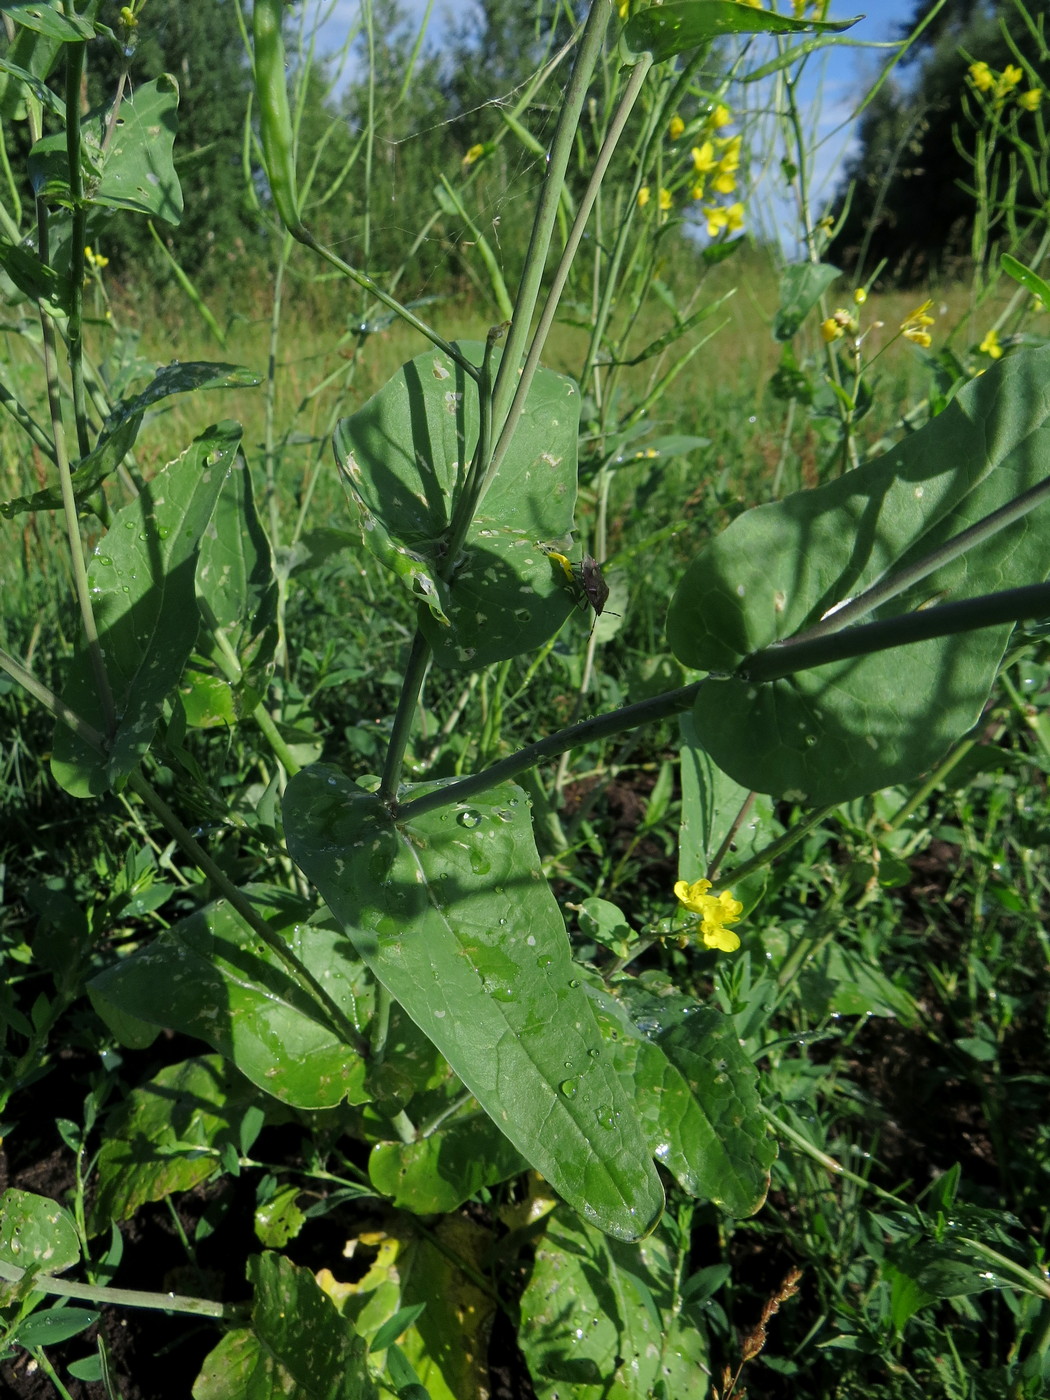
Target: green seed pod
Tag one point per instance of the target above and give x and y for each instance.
(275, 118)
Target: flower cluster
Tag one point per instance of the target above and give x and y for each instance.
(715, 166)
(1000, 86)
(715, 911)
(913, 327)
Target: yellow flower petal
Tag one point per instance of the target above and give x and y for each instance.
(675, 127)
(990, 345)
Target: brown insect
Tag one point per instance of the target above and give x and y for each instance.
(586, 579)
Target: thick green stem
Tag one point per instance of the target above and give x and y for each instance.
(990, 610)
(415, 670)
(121, 1297)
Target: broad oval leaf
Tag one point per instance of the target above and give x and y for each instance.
(837, 731)
(142, 592)
(436, 1174)
(801, 287)
(212, 977)
(629, 1334)
(37, 1233)
(696, 1093)
(404, 457)
(453, 915)
(664, 30)
(130, 166)
(298, 1347)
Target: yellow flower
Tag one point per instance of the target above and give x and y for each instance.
(675, 127)
(93, 259)
(721, 116)
(724, 182)
(913, 327)
(716, 911)
(1009, 78)
(704, 158)
(990, 345)
(831, 330)
(1030, 100)
(730, 218)
(697, 192)
(860, 296)
(475, 153)
(981, 76)
(666, 202)
(643, 196)
(623, 8)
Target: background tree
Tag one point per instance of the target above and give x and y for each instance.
(910, 208)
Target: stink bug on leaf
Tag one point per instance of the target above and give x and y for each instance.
(585, 579)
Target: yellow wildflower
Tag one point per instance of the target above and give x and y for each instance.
(94, 260)
(721, 116)
(831, 330)
(981, 76)
(860, 296)
(990, 345)
(475, 153)
(729, 217)
(666, 201)
(643, 196)
(913, 327)
(1009, 78)
(1030, 100)
(623, 8)
(704, 159)
(675, 127)
(724, 182)
(716, 911)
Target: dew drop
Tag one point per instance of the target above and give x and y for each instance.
(568, 1088)
(469, 818)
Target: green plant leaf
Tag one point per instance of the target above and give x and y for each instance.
(167, 1136)
(298, 1347)
(664, 30)
(44, 18)
(601, 1321)
(801, 287)
(121, 429)
(37, 1233)
(237, 592)
(53, 1326)
(695, 1091)
(437, 1173)
(279, 1219)
(452, 914)
(1027, 278)
(837, 731)
(142, 590)
(129, 167)
(210, 976)
(404, 457)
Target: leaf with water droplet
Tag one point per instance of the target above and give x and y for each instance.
(504, 1022)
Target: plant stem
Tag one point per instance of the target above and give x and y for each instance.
(671, 702)
(415, 670)
(990, 610)
(121, 1297)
